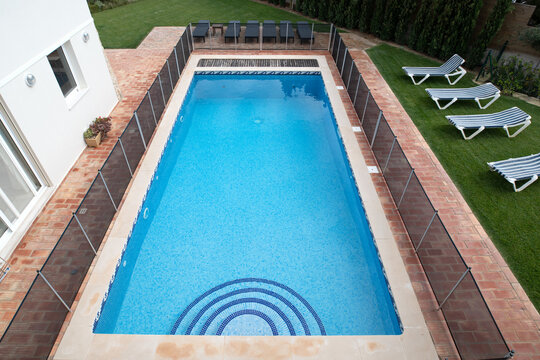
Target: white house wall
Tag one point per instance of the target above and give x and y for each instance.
(52, 129)
(30, 28)
(49, 127)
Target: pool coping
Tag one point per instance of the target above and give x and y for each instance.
(79, 341)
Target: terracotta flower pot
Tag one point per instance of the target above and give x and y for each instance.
(93, 142)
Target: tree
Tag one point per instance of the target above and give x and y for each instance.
(492, 26)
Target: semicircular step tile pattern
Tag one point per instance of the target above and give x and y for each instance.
(249, 306)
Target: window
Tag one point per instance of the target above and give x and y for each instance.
(18, 182)
(62, 71)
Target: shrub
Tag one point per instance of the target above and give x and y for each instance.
(378, 17)
(282, 3)
(391, 16)
(323, 10)
(366, 9)
(404, 20)
(419, 23)
(492, 26)
(100, 5)
(512, 74)
(429, 28)
(353, 12)
(532, 36)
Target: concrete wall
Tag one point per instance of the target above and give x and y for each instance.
(514, 23)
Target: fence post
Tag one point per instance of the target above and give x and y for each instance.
(425, 232)
(182, 46)
(210, 38)
(389, 154)
(350, 73)
(261, 38)
(376, 129)
(343, 65)
(140, 130)
(85, 234)
(54, 291)
(286, 35)
(177, 66)
(357, 85)
(405, 188)
(454, 288)
(125, 156)
(170, 77)
(312, 37)
(161, 87)
(107, 188)
(330, 36)
(235, 40)
(192, 40)
(365, 106)
(152, 106)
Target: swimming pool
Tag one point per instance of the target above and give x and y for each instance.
(253, 224)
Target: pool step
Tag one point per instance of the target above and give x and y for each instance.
(249, 306)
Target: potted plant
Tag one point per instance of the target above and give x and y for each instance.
(97, 131)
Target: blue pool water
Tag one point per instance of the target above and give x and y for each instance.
(253, 224)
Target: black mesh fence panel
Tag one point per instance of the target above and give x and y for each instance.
(475, 332)
(132, 142)
(416, 210)
(397, 172)
(346, 69)
(35, 326)
(166, 81)
(96, 212)
(370, 119)
(383, 142)
(157, 97)
(353, 83)
(116, 174)
(335, 46)
(174, 68)
(339, 54)
(360, 99)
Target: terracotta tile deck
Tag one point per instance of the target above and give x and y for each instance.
(136, 68)
(514, 313)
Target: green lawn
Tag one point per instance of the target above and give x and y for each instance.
(511, 219)
(126, 26)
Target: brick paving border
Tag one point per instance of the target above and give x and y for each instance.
(514, 313)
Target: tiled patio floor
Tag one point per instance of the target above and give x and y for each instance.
(136, 68)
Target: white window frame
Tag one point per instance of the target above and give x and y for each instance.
(19, 215)
(73, 96)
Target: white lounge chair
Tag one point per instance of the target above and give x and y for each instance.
(450, 68)
(519, 169)
(504, 119)
(477, 93)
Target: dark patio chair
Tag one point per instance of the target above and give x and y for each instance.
(252, 30)
(269, 30)
(233, 30)
(201, 30)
